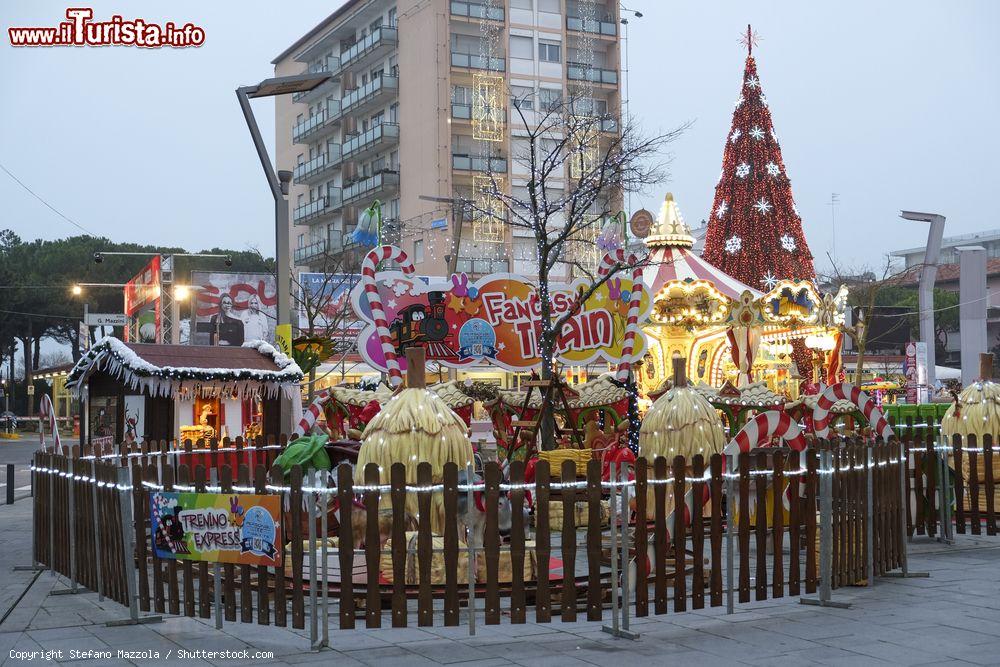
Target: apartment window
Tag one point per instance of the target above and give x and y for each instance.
(300, 159)
(520, 47)
(378, 119)
(393, 66)
(300, 200)
(394, 160)
(525, 250)
(376, 24)
(521, 4)
(394, 112)
(298, 119)
(522, 97)
(302, 240)
(549, 52)
(418, 251)
(461, 95)
(377, 73)
(549, 6)
(549, 98)
(392, 17)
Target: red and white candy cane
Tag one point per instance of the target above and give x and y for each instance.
(368, 267)
(608, 262)
(45, 410)
(762, 428)
(311, 414)
(848, 392)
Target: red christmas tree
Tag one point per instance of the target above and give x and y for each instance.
(755, 233)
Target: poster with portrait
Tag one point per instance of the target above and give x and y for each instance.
(233, 308)
(103, 420)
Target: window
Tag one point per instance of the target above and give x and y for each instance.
(548, 52)
(520, 47)
(461, 95)
(549, 6)
(302, 240)
(418, 251)
(376, 24)
(378, 118)
(394, 113)
(522, 97)
(301, 159)
(549, 99)
(392, 17)
(521, 4)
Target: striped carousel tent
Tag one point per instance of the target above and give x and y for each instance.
(672, 259)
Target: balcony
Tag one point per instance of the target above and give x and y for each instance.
(318, 125)
(330, 66)
(582, 72)
(378, 138)
(477, 267)
(386, 181)
(476, 61)
(494, 165)
(308, 253)
(461, 111)
(320, 167)
(592, 26)
(476, 10)
(378, 43)
(319, 208)
(374, 92)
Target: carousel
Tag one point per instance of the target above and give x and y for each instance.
(731, 335)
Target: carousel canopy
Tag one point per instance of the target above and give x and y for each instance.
(671, 258)
(255, 369)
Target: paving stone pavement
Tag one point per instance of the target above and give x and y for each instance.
(953, 617)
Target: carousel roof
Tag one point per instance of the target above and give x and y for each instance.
(672, 259)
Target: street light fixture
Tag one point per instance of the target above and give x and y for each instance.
(925, 288)
(628, 89)
(77, 290)
(278, 181)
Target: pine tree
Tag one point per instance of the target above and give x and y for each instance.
(755, 232)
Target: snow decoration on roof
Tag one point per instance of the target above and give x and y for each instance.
(118, 360)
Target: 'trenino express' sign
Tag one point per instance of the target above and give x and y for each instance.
(496, 319)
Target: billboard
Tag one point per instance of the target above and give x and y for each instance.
(233, 308)
(495, 320)
(143, 306)
(326, 298)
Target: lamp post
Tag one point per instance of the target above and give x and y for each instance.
(624, 22)
(278, 182)
(925, 293)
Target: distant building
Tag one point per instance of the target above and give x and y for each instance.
(949, 255)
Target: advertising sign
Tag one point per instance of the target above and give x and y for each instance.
(495, 320)
(143, 307)
(326, 298)
(217, 527)
(232, 308)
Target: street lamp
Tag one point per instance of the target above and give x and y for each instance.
(624, 22)
(925, 288)
(278, 183)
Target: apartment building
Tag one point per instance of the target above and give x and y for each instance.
(395, 120)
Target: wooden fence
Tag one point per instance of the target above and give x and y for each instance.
(555, 560)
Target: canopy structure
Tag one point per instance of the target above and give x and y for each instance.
(725, 329)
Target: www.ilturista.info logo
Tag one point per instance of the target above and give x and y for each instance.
(80, 30)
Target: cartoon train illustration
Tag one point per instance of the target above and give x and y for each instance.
(419, 325)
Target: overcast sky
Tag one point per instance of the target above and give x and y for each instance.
(890, 104)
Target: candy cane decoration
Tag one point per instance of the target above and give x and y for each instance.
(311, 414)
(608, 262)
(368, 267)
(762, 428)
(45, 410)
(848, 392)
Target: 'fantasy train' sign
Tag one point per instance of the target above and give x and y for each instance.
(495, 319)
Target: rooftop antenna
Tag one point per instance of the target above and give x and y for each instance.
(833, 204)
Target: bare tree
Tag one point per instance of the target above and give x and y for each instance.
(576, 172)
(866, 285)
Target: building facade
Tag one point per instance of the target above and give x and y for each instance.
(395, 123)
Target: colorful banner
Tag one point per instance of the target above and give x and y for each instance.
(326, 300)
(217, 527)
(233, 308)
(143, 306)
(495, 320)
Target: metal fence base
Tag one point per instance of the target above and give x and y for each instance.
(907, 575)
(142, 620)
(620, 633)
(816, 602)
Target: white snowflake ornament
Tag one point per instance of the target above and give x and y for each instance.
(757, 133)
(772, 169)
(763, 99)
(753, 82)
(735, 135)
(739, 102)
(721, 209)
(742, 170)
(763, 206)
(734, 244)
(769, 281)
(787, 242)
